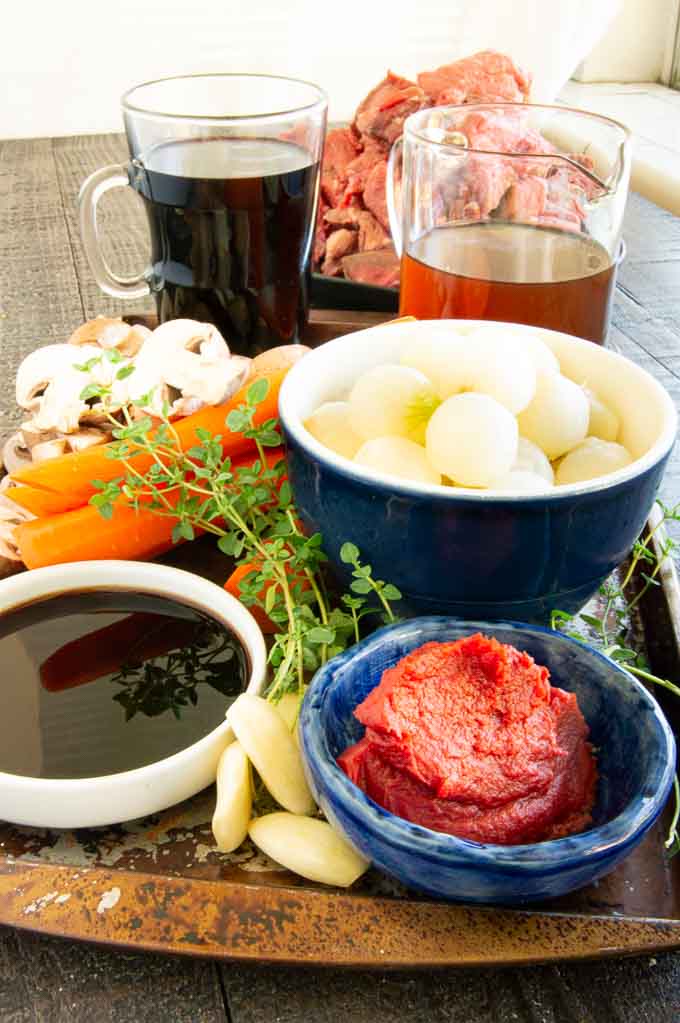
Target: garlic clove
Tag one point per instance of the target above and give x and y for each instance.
(262, 732)
(234, 800)
(309, 847)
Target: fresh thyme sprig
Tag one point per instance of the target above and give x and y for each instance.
(611, 630)
(250, 511)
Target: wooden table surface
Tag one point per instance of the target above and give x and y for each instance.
(45, 291)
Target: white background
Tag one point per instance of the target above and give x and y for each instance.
(65, 63)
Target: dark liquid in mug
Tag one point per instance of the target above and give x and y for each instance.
(106, 681)
(231, 224)
(561, 280)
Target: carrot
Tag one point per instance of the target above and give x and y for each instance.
(84, 535)
(70, 477)
(139, 636)
(233, 586)
(41, 502)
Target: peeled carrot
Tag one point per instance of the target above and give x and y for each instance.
(233, 586)
(41, 502)
(70, 477)
(139, 636)
(84, 535)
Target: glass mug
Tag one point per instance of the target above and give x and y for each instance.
(228, 169)
(510, 212)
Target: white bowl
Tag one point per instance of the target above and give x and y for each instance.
(109, 799)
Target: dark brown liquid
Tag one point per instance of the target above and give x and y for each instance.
(513, 272)
(231, 223)
(100, 682)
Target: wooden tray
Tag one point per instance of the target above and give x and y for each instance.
(159, 883)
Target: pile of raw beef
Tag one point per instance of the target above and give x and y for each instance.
(352, 236)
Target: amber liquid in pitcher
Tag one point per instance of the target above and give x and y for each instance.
(557, 279)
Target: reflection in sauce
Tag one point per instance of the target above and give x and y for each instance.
(106, 681)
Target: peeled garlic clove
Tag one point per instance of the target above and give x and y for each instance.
(263, 733)
(309, 847)
(603, 422)
(289, 709)
(234, 799)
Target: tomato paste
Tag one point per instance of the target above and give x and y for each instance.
(471, 739)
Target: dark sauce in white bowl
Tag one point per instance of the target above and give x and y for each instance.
(100, 682)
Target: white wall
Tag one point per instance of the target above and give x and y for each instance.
(65, 63)
(635, 46)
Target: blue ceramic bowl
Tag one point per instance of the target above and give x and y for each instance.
(477, 554)
(635, 757)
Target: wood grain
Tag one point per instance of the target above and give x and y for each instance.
(625, 991)
(39, 292)
(54, 981)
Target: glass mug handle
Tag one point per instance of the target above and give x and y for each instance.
(103, 180)
(394, 201)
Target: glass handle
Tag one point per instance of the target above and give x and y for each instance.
(394, 202)
(93, 189)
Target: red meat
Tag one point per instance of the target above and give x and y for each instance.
(340, 149)
(382, 114)
(355, 160)
(375, 196)
(380, 268)
(359, 170)
(319, 247)
(338, 244)
(486, 77)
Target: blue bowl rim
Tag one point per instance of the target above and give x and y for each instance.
(296, 431)
(592, 845)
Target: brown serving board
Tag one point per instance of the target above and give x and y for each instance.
(160, 884)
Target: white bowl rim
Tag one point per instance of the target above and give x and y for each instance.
(142, 577)
(293, 425)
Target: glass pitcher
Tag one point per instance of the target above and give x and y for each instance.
(510, 211)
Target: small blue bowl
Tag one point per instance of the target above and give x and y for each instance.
(635, 757)
(477, 553)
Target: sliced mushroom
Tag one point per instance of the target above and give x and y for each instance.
(87, 439)
(31, 435)
(11, 515)
(111, 333)
(15, 455)
(194, 359)
(49, 449)
(39, 369)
